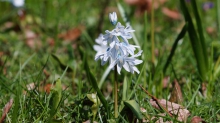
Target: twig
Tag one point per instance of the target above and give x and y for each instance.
(156, 100)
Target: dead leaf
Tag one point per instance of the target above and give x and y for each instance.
(211, 31)
(6, 110)
(145, 5)
(158, 119)
(197, 119)
(32, 39)
(50, 41)
(88, 121)
(176, 94)
(48, 87)
(30, 86)
(1, 53)
(204, 89)
(173, 108)
(166, 82)
(143, 110)
(173, 14)
(46, 73)
(108, 89)
(72, 34)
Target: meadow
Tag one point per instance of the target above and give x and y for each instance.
(164, 64)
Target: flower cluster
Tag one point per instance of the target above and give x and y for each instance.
(115, 48)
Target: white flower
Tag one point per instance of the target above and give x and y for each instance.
(18, 3)
(113, 18)
(117, 52)
(101, 47)
(128, 63)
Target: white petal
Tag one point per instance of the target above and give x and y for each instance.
(126, 67)
(119, 69)
(97, 48)
(136, 70)
(138, 54)
(113, 64)
(136, 62)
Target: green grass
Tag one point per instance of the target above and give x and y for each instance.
(73, 61)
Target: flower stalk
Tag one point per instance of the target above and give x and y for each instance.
(114, 47)
(116, 94)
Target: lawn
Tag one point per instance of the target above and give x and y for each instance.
(76, 61)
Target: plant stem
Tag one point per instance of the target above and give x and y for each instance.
(218, 16)
(116, 94)
(152, 31)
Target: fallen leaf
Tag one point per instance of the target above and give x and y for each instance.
(88, 121)
(176, 94)
(159, 119)
(1, 53)
(30, 86)
(6, 110)
(173, 108)
(173, 14)
(197, 119)
(47, 88)
(143, 110)
(72, 34)
(166, 82)
(107, 89)
(50, 41)
(46, 73)
(211, 31)
(145, 5)
(204, 89)
(32, 39)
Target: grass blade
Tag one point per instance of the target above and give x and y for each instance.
(93, 82)
(200, 32)
(195, 42)
(138, 80)
(180, 36)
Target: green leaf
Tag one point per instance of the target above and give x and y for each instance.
(56, 94)
(62, 65)
(195, 42)
(93, 82)
(135, 108)
(95, 106)
(180, 36)
(200, 32)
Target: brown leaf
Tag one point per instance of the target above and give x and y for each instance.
(50, 41)
(30, 86)
(176, 95)
(46, 73)
(47, 88)
(159, 119)
(171, 13)
(6, 110)
(32, 39)
(173, 108)
(1, 53)
(145, 5)
(166, 82)
(72, 34)
(197, 119)
(88, 121)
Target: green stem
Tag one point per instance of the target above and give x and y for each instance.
(218, 16)
(116, 94)
(152, 31)
(145, 44)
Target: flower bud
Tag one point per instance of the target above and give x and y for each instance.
(113, 18)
